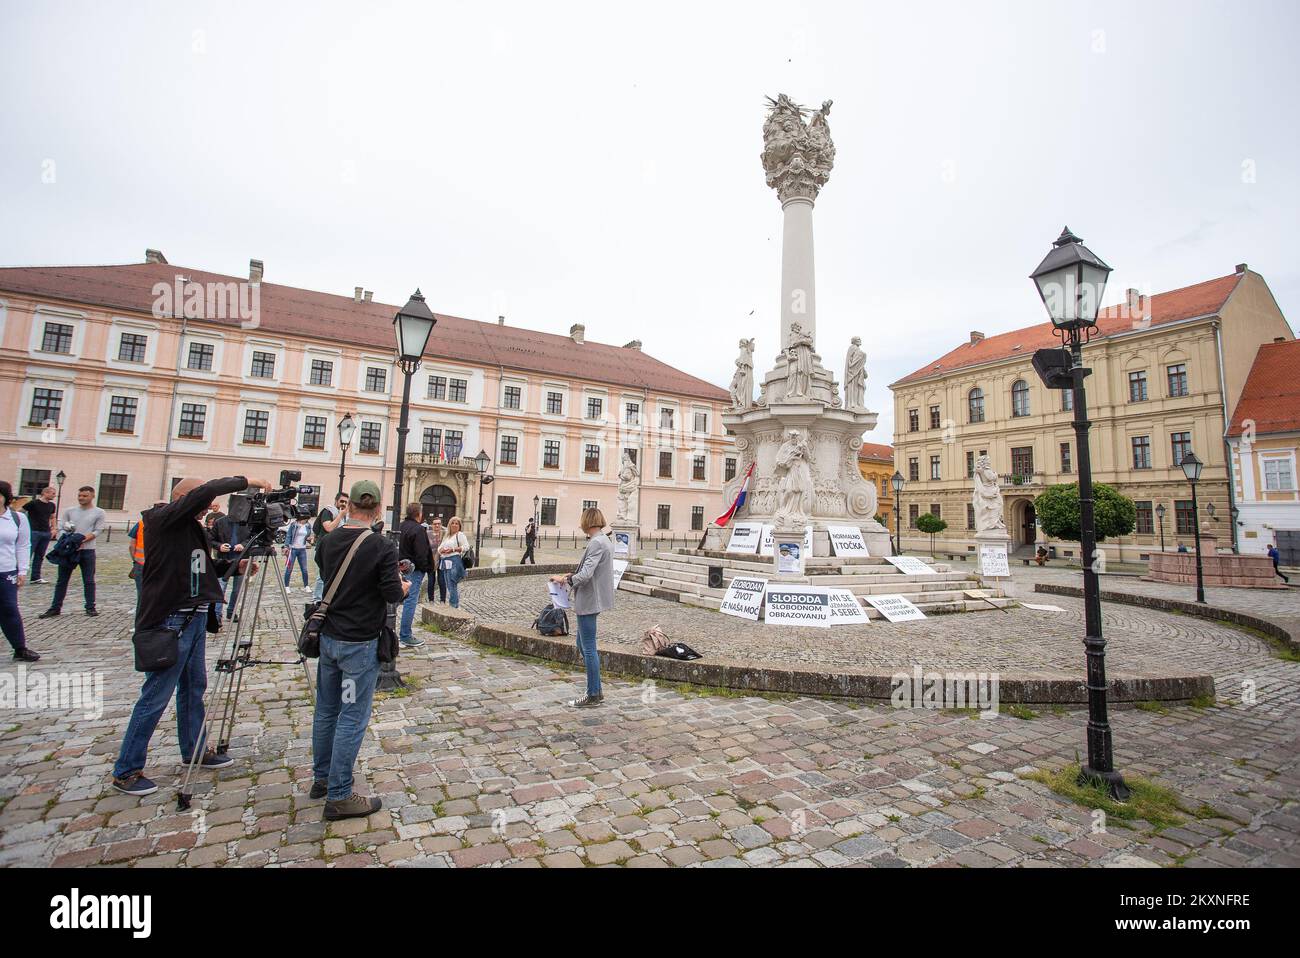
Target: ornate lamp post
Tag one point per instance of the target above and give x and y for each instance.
(413, 324)
(481, 463)
(537, 515)
(59, 478)
(896, 481)
(346, 430)
(1071, 280)
(1192, 467)
(1160, 515)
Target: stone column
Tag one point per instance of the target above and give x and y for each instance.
(798, 284)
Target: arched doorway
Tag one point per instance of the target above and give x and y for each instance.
(439, 502)
(1026, 522)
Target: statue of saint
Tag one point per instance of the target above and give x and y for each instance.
(629, 478)
(794, 491)
(855, 376)
(799, 364)
(987, 498)
(742, 383)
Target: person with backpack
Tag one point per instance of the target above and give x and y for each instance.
(593, 593)
(451, 559)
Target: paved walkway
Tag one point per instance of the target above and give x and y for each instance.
(481, 763)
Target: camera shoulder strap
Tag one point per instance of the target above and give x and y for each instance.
(337, 579)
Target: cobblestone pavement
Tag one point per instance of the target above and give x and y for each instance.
(482, 764)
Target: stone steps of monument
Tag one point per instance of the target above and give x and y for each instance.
(762, 565)
(876, 582)
(673, 567)
(927, 590)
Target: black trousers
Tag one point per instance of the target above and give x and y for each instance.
(528, 553)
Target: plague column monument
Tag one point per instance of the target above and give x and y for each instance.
(802, 438)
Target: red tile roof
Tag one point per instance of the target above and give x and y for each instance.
(1203, 299)
(324, 316)
(875, 452)
(1271, 396)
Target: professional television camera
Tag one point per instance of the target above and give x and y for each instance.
(265, 512)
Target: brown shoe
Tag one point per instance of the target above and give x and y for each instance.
(354, 806)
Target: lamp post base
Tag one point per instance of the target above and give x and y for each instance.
(389, 678)
(1113, 782)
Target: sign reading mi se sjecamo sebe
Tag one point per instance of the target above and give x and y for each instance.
(744, 597)
(797, 605)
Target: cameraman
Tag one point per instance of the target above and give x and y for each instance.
(349, 662)
(180, 590)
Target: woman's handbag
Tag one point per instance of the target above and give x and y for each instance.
(156, 650)
(653, 641)
(467, 558)
(309, 637)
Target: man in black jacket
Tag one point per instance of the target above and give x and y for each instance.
(349, 643)
(180, 590)
(413, 545)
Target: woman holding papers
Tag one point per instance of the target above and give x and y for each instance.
(593, 593)
(451, 564)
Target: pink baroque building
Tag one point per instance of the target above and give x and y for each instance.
(128, 378)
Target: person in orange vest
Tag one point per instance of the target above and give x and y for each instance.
(136, 533)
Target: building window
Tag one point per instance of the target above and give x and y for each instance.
(201, 356)
(313, 432)
(595, 408)
(970, 465)
(514, 398)
(1181, 443)
(112, 491)
(1144, 525)
(547, 512)
(913, 513)
(665, 465)
(1184, 523)
(121, 414)
(970, 515)
(697, 518)
(1067, 400)
(633, 414)
(1278, 476)
(256, 422)
(509, 451)
(589, 504)
(936, 510)
(663, 517)
(1177, 379)
(934, 467)
(975, 404)
(368, 442)
(506, 509)
(431, 443)
(454, 440)
(1020, 398)
(698, 469)
(457, 390)
(322, 372)
(555, 404)
(1137, 386)
(193, 419)
(913, 469)
(57, 338)
(591, 458)
(1067, 464)
(1141, 452)
(551, 454)
(263, 366)
(665, 419)
(1022, 461)
(914, 420)
(437, 388)
(131, 348)
(701, 422)
(729, 468)
(376, 379)
(32, 481)
(934, 417)
(631, 454)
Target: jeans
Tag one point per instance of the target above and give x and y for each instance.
(587, 649)
(411, 601)
(232, 585)
(40, 546)
(318, 590)
(436, 577)
(137, 569)
(188, 678)
(299, 556)
(86, 560)
(11, 621)
(345, 687)
(452, 577)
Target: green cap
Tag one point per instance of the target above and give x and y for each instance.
(364, 488)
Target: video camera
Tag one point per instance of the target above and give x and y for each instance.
(264, 512)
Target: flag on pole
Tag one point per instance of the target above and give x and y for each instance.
(723, 519)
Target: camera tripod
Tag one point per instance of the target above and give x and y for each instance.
(239, 653)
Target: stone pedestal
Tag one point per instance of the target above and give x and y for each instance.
(633, 534)
(791, 538)
(997, 539)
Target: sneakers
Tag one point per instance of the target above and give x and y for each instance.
(134, 783)
(92, 612)
(587, 702)
(415, 643)
(318, 789)
(211, 760)
(26, 655)
(40, 582)
(354, 806)
(48, 614)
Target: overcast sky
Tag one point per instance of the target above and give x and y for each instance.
(599, 163)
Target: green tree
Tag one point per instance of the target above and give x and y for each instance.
(931, 525)
(1058, 512)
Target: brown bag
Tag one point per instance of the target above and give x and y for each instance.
(653, 641)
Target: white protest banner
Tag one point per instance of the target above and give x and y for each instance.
(797, 605)
(768, 532)
(1041, 608)
(895, 608)
(744, 597)
(620, 566)
(910, 565)
(847, 541)
(993, 561)
(845, 608)
(790, 560)
(745, 537)
(622, 543)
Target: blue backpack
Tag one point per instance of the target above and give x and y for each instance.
(552, 621)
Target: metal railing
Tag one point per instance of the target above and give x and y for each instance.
(1022, 479)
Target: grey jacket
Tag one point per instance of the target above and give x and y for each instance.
(593, 583)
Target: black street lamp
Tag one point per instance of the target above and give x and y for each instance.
(1192, 470)
(346, 429)
(1070, 281)
(1160, 514)
(481, 463)
(59, 477)
(413, 324)
(896, 481)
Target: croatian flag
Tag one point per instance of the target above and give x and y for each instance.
(723, 519)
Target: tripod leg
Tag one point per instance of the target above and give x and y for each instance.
(288, 611)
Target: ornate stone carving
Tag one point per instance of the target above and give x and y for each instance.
(742, 383)
(795, 489)
(987, 498)
(799, 364)
(629, 480)
(855, 376)
(797, 156)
